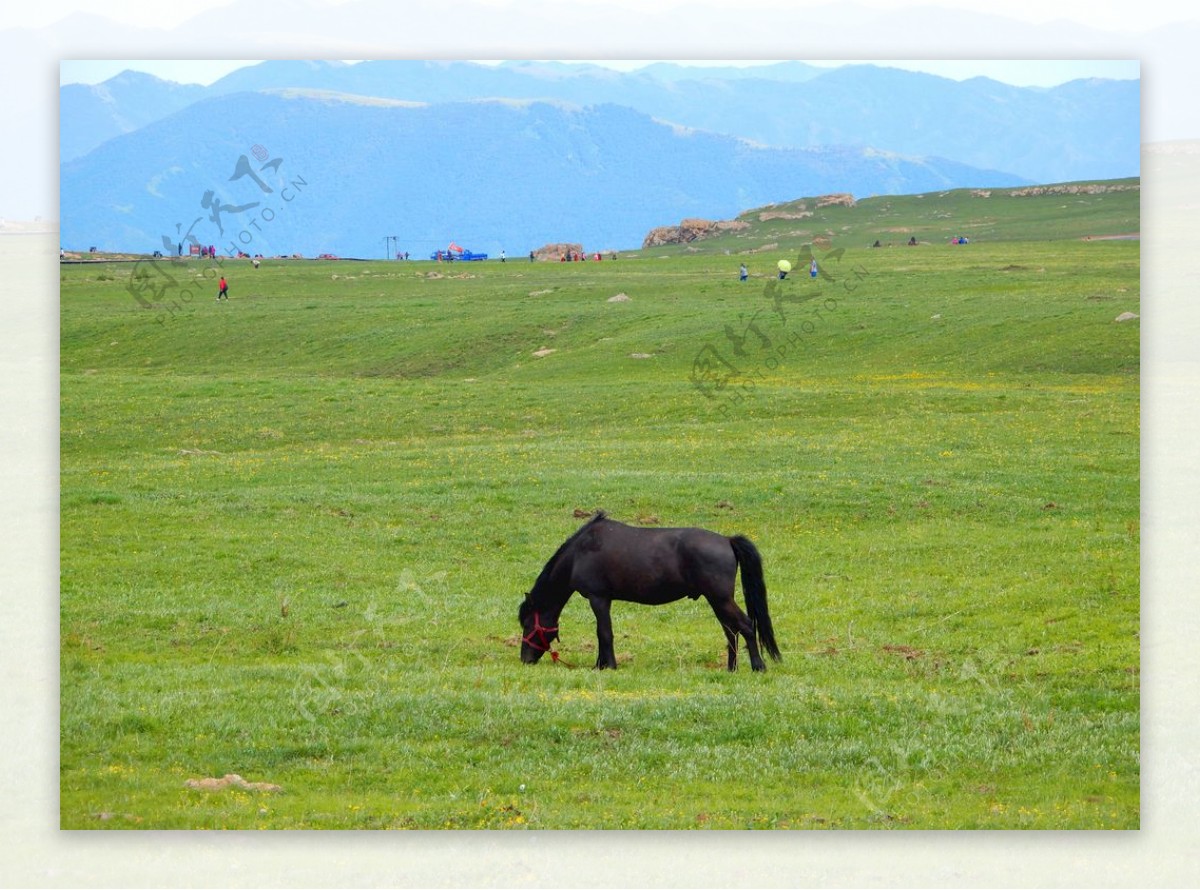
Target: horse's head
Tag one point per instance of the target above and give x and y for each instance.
(536, 633)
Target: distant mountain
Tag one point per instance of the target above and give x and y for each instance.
(1081, 130)
(303, 171)
(93, 114)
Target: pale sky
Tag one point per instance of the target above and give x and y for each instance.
(1112, 16)
(1039, 72)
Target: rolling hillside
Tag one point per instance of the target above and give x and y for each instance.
(1073, 210)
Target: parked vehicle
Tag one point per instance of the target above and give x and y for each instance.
(454, 252)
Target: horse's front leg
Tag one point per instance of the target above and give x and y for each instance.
(605, 658)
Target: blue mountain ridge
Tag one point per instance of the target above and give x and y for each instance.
(309, 172)
(1081, 130)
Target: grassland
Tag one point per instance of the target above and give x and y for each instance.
(295, 529)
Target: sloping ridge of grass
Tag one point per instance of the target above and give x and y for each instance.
(1087, 209)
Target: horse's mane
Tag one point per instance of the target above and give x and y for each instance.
(544, 577)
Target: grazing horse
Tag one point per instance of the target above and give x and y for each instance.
(607, 560)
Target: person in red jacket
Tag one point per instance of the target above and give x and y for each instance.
(223, 293)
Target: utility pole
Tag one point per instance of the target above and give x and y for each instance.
(388, 241)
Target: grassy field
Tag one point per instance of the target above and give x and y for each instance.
(295, 529)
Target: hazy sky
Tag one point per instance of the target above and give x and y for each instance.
(1115, 16)
(1019, 73)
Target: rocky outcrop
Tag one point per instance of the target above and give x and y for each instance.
(768, 215)
(1089, 188)
(686, 232)
(231, 780)
(835, 200)
(554, 252)
(690, 230)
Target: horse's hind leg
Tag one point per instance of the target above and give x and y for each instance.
(731, 646)
(734, 621)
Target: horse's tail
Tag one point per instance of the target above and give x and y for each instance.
(754, 588)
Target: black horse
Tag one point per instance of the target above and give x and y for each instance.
(607, 560)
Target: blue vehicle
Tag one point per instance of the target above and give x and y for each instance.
(454, 252)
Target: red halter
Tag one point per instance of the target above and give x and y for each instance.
(539, 638)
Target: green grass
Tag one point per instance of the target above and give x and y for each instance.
(296, 528)
(1070, 211)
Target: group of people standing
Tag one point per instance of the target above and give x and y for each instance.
(577, 257)
(784, 268)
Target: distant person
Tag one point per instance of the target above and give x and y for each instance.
(877, 244)
(502, 257)
(912, 242)
(812, 269)
(743, 273)
(223, 293)
(531, 256)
